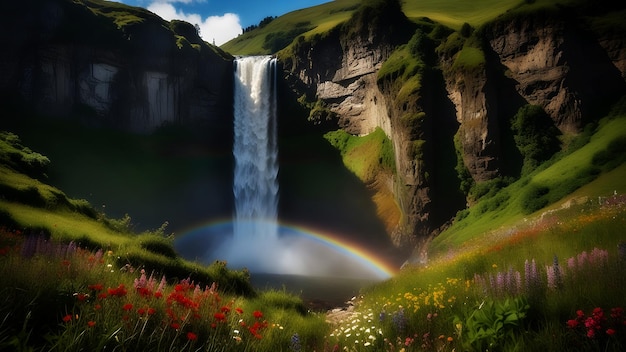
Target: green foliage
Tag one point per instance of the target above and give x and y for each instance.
(493, 325)
(469, 58)
(385, 16)
(467, 182)
(534, 198)
(611, 157)
(21, 158)
(123, 225)
(535, 136)
(281, 299)
(488, 189)
(466, 30)
(157, 244)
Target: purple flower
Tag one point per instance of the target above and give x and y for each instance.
(399, 321)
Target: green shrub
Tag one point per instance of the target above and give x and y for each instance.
(466, 30)
(535, 136)
(493, 325)
(534, 198)
(611, 157)
(158, 245)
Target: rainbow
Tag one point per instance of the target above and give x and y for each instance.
(350, 249)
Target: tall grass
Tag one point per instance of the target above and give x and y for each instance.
(490, 298)
(66, 298)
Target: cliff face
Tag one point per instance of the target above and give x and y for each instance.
(113, 65)
(548, 59)
(341, 69)
(557, 60)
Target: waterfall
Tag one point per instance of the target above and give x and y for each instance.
(255, 184)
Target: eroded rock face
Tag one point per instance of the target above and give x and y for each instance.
(560, 66)
(136, 78)
(548, 59)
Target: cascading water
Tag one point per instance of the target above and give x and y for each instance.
(255, 240)
(255, 184)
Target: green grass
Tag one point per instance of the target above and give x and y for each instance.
(558, 180)
(322, 18)
(451, 13)
(366, 155)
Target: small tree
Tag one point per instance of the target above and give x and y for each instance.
(535, 136)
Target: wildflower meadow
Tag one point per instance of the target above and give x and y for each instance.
(549, 284)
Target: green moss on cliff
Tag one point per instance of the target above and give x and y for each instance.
(364, 156)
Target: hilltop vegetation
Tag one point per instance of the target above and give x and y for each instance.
(322, 18)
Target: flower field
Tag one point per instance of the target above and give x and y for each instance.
(556, 284)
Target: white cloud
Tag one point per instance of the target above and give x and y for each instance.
(218, 29)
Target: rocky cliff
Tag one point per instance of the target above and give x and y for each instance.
(447, 97)
(112, 65)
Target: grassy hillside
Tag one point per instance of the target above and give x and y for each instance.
(317, 19)
(321, 18)
(29, 204)
(594, 166)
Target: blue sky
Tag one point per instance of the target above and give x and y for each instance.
(221, 20)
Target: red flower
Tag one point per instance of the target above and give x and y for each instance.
(81, 297)
(97, 307)
(158, 294)
(175, 326)
(616, 313)
(572, 323)
(191, 336)
(225, 309)
(591, 333)
(141, 311)
(91, 323)
(102, 295)
(67, 318)
(127, 306)
(610, 332)
(151, 311)
(119, 291)
(219, 316)
(95, 287)
(257, 314)
(239, 310)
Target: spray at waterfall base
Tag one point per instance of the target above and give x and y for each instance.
(297, 250)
